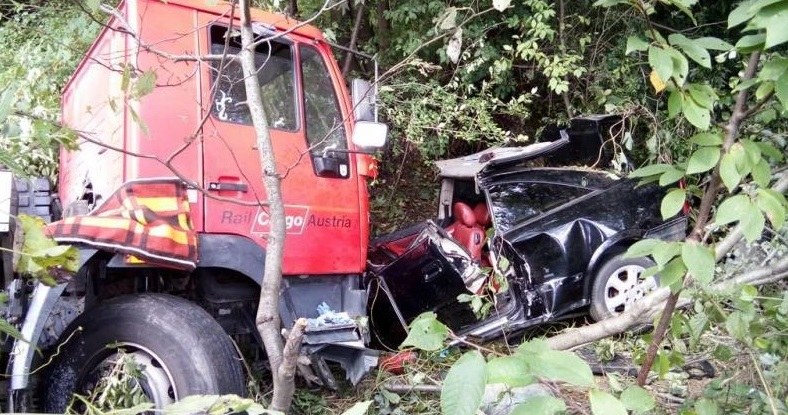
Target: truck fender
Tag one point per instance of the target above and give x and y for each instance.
(41, 305)
(232, 252)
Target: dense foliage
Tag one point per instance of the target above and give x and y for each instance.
(40, 46)
(462, 75)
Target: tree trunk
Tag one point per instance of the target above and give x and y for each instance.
(353, 39)
(267, 320)
(704, 215)
(292, 8)
(383, 29)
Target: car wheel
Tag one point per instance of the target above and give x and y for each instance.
(618, 284)
(180, 350)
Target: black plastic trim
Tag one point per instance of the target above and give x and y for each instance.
(233, 252)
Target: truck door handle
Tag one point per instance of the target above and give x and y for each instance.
(227, 186)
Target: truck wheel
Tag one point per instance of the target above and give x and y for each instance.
(618, 284)
(180, 348)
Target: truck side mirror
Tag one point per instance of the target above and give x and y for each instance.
(370, 134)
(364, 100)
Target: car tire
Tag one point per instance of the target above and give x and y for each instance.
(617, 284)
(182, 349)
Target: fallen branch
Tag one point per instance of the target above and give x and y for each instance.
(404, 388)
(644, 311)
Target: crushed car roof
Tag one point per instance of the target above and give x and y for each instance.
(469, 166)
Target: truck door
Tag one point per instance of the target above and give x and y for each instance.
(309, 131)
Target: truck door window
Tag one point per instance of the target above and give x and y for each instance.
(325, 129)
(277, 82)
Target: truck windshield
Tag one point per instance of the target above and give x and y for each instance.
(277, 82)
(325, 128)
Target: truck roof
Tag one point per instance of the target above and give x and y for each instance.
(279, 21)
(219, 8)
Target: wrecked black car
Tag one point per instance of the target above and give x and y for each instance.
(535, 242)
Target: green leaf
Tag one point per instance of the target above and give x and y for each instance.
(691, 49)
(705, 406)
(703, 159)
(145, 84)
(666, 251)
(533, 347)
(744, 12)
(729, 172)
(772, 207)
(650, 170)
(773, 69)
(699, 260)
(768, 150)
(751, 43)
(672, 274)
(738, 325)
(781, 89)
(773, 18)
(707, 139)
(752, 151)
(637, 399)
(463, 387)
(675, 103)
(511, 370)
(635, 43)
(761, 173)
(671, 176)
(360, 408)
(10, 330)
(684, 6)
(713, 43)
(703, 95)
(660, 61)
(603, 403)
(562, 366)
(540, 405)
(731, 209)
(426, 333)
(698, 116)
(680, 66)
(752, 223)
(745, 84)
(643, 247)
(672, 203)
(764, 89)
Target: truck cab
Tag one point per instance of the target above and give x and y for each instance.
(160, 97)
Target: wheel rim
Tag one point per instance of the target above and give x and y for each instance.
(156, 379)
(625, 286)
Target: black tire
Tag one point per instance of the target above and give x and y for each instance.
(623, 269)
(198, 357)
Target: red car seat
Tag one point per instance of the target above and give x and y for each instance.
(468, 227)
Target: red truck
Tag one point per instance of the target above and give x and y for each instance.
(177, 322)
